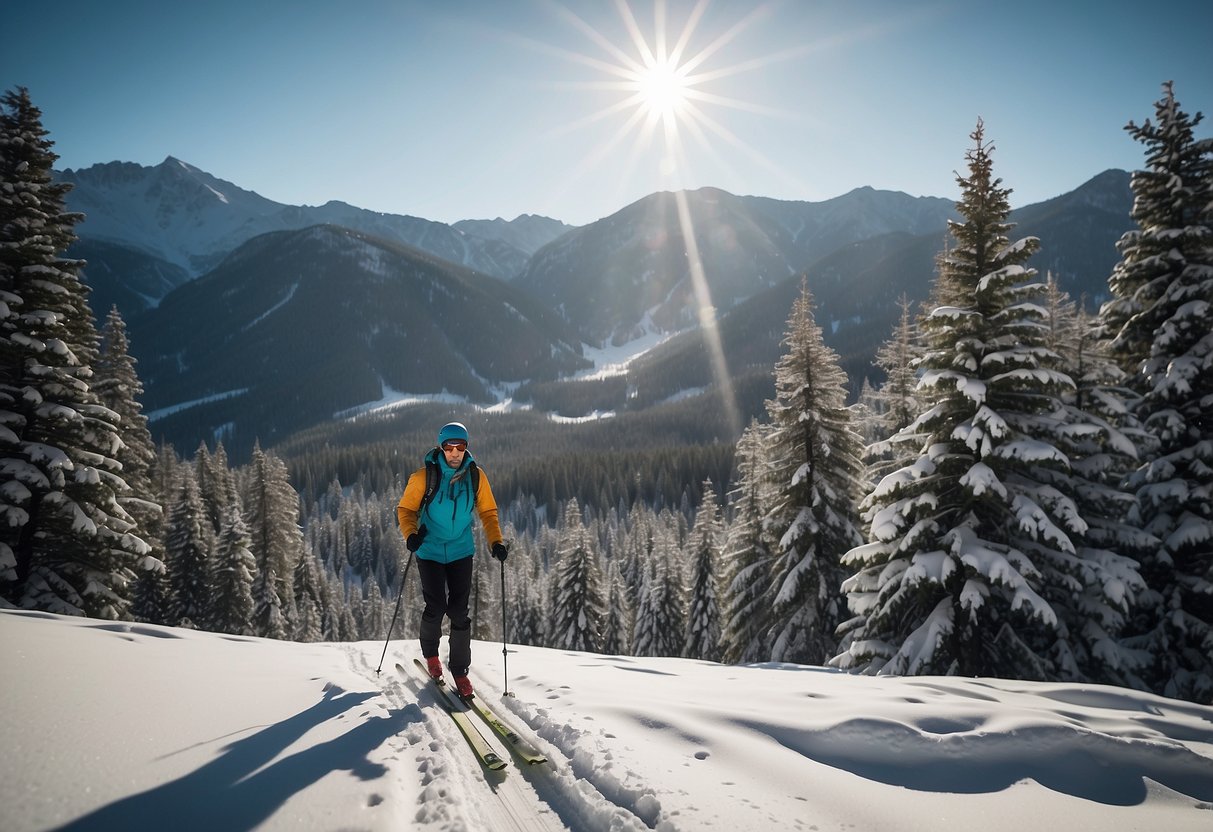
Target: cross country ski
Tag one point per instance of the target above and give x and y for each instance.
(450, 703)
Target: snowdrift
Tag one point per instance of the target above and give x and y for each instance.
(127, 727)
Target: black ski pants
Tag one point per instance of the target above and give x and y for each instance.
(446, 587)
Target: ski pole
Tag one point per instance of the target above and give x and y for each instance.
(399, 595)
(505, 650)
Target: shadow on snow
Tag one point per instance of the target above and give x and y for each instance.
(240, 789)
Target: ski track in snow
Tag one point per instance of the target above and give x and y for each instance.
(459, 794)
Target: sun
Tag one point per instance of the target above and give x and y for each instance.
(663, 89)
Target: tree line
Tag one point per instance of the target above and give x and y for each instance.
(1026, 495)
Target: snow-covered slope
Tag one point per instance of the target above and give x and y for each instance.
(120, 726)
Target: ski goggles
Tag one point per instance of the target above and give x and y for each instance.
(454, 445)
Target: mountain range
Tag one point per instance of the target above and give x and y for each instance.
(180, 222)
(252, 319)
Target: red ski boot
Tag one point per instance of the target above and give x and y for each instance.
(434, 666)
(464, 685)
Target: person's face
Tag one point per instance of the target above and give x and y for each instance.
(454, 449)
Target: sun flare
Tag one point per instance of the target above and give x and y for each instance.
(667, 89)
(663, 89)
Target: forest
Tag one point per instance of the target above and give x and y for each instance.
(1028, 493)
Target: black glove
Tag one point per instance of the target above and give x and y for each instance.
(413, 541)
(501, 551)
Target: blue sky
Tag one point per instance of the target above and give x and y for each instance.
(463, 110)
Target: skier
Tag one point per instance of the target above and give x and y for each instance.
(435, 516)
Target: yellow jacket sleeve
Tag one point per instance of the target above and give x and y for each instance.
(409, 507)
(487, 506)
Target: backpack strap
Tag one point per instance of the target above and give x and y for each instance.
(433, 478)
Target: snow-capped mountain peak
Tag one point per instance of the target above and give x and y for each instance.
(182, 215)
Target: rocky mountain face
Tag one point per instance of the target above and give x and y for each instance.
(137, 219)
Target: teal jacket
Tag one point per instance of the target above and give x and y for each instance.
(448, 518)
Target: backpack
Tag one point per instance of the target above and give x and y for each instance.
(433, 478)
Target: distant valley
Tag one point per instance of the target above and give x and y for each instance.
(254, 320)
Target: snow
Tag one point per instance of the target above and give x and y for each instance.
(392, 399)
(112, 725)
(290, 293)
(611, 361)
(592, 416)
(177, 408)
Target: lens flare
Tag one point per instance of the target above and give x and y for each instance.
(663, 88)
(665, 95)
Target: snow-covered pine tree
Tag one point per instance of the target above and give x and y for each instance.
(1160, 320)
(748, 548)
(897, 401)
(660, 625)
(153, 592)
(579, 603)
(374, 616)
(639, 542)
(309, 600)
(952, 581)
(528, 592)
(66, 543)
(337, 621)
(232, 573)
(153, 595)
(617, 628)
(1095, 431)
(272, 514)
(815, 452)
(868, 414)
(190, 548)
(216, 484)
(703, 613)
(117, 384)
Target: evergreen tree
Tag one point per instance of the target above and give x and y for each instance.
(529, 595)
(153, 595)
(190, 546)
(66, 543)
(703, 618)
(153, 591)
(1160, 321)
(374, 617)
(660, 625)
(117, 384)
(268, 618)
(232, 578)
(579, 606)
(815, 452)
(748, 552)
(964, 538)
(1096, 432)
(868, 414)
(336, 620)
(617, 629)
(272, 513)
(897, 401)
(216, 484)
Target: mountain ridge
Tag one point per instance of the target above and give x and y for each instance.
(178, 214)
(608, 283)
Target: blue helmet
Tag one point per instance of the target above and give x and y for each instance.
(452, 430)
